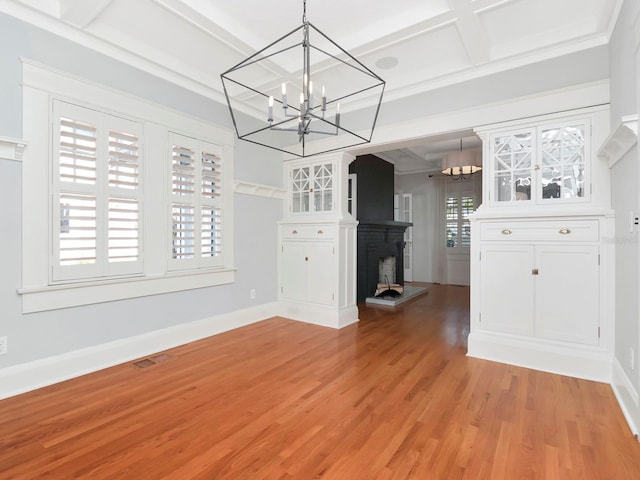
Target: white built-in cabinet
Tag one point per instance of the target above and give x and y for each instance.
(317, 243)
(543, 283)
(541, 249)
(308, 254)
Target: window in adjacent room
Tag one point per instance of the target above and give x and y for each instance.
(458, 228)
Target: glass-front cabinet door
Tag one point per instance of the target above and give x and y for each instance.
(562, 162)
(512, 165)
(300, 189)
(545, 164)
(323, 187)
(312, 188)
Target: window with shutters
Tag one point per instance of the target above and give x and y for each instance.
(458, 228)
(115, 205)
(196, 203)
(97, 194)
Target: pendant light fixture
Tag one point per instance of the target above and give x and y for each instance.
(461, 164)
(303, 94)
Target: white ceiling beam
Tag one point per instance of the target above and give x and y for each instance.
(81, 13)
(472, 33)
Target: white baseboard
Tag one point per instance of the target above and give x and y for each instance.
(319, 315)
(586, 363)
(41, 373)
(627, 396)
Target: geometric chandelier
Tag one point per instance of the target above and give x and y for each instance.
(303, 94)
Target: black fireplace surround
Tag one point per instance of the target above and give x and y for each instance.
(378, 240)
(378, 235)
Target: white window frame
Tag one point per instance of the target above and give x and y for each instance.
(41, 85)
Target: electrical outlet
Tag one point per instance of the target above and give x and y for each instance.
(632, 358)
(252, 294)
(3, 345)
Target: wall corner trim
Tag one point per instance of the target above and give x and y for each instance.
(12, 148)
(620, 140)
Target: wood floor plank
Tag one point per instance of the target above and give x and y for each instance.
(392, 397)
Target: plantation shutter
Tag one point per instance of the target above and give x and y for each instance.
(458, 227)
(96, 194)
(211, 196)
(196, 195)
(124, 226)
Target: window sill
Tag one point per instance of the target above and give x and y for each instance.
(53, 297)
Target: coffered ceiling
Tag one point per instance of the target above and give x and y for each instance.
(414, 45)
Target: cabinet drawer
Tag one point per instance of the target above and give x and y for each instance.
(308, 232)
(548, 230)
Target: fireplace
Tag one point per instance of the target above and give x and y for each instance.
(379, 242)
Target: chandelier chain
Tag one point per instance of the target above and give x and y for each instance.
(304, 11)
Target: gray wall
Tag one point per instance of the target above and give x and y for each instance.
(40, 335)
(624, 187)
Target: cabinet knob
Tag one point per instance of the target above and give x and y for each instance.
(320, 232)
(295, 232)
(506, 231)
(564, 231)
(306, 259)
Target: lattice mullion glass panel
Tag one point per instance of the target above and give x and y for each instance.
(77, 234)
(563, 162)
(123, 230)
(512, 165)
(300, 189)
(323, 187)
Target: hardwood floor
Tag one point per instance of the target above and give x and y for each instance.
(393, 397)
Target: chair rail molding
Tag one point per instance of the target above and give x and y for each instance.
(12, 148)
(249, 188)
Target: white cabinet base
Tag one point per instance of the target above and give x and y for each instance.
(318, 315)
(554, 357)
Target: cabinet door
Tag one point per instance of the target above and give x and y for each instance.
(563, 162)
(308, 272)
(323, 187)
(507, 283)
(300, 189)
(567, 290)
(511, 156)
(294, 270)
(320, 273)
